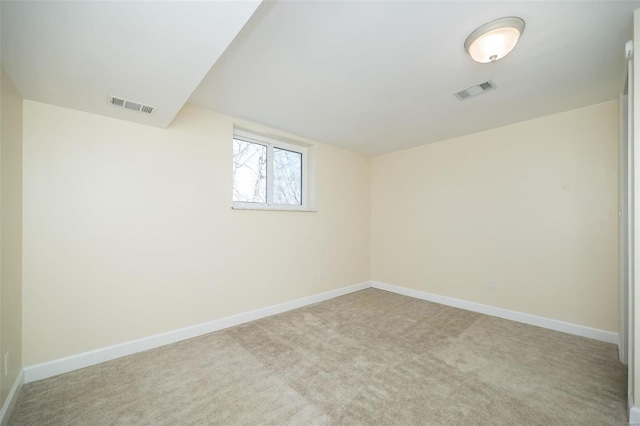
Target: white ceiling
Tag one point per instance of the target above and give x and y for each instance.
(75, 54)
(372, 77)
(375, 77)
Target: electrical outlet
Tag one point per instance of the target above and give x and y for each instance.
(321, 274)
(491, 285)
(6, 364)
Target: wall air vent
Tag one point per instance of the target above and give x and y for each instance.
(476, 90)
(132, 105)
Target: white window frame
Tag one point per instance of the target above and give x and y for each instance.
(272, 143)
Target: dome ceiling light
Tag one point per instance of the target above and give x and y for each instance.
(494, 40)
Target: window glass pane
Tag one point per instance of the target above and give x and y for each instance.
(287, 177)
(249, 172)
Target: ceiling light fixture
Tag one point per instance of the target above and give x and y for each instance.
(494, 40)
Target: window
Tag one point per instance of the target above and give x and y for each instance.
(269, 174)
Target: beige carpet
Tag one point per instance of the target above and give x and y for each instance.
(370, 357)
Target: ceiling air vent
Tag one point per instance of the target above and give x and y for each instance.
(116, 102)
(476, 90)
(132, 105)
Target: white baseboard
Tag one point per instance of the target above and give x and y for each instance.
(634, 416)
(86, 359)
(634, 412)
(12, 398)
(565, 327)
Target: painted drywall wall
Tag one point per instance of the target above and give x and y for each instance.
(532, 206)
(10, 233)
(634, 332)
(129, 231)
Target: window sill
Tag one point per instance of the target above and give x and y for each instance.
(273, 208)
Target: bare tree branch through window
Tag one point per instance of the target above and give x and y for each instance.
(249, 172)
(287, 177)
(267, 174)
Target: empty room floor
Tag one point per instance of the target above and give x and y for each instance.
(370, 357)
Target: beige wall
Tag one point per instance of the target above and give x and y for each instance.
(532, 205)
(634, 332)
(128, 230)
(10, 233)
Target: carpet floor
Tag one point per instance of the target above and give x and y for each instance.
(368, 358)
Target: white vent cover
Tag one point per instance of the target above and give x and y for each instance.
(476, 90)
(132, 105)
